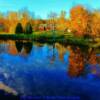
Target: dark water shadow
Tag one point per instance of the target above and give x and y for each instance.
(27, 46)
(19, 45)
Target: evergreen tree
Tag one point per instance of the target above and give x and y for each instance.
(19, 29)
(28, 28)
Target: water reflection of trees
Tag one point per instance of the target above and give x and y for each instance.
(61, 51)
(79, 59)
(19, 45)
(12, 47)
(76, 62)
(26, 46)
(92, 57)
(53, 54)
(22, 47)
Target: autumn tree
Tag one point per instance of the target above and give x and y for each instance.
(25, 17)
(36, 24)
(13, 20)
(52, 20)
(61, 22)
(79, 20)
(2, 23)
(19, 29)
(95, 25)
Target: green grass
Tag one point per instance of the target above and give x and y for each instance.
(49, 37)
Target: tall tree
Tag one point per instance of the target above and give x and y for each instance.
(25, 16)
(13, 20)
(19, 29)
(28, 28)
(52, 20)
(61, 22)
(79, 20)
(95, 23)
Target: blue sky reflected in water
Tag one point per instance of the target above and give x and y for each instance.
(44, 72)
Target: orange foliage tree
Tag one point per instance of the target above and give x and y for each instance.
(61, 22)
(25, 19)
(95, 26)
(79, 18)
(76, 63)
(13, 20)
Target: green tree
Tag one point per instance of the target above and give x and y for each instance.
(28, 29)
(19, 29)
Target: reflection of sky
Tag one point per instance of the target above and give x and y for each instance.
(34, 74)
(36, 67)
(43, 7)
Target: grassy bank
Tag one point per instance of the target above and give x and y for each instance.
(49, 37)
(36, 36)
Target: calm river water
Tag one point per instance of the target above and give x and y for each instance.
(50, 70)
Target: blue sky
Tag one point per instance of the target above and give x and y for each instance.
(43, 7)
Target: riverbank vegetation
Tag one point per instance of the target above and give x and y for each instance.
(82, 27)
(48, 37)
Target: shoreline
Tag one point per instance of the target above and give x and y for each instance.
(51, 38)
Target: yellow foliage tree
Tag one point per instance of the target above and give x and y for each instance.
(79, 20)
(95, 26)
(61, 23)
